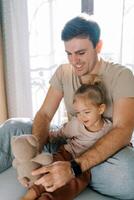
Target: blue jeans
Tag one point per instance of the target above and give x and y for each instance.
(114, 177)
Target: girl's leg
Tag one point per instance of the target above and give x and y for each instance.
(33, 193)
(70, 190)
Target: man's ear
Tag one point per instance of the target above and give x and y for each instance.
(99, 46)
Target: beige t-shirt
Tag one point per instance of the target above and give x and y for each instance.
(118, 80)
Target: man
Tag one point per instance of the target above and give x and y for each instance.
(110, 160)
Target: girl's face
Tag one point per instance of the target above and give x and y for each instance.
(89, 114)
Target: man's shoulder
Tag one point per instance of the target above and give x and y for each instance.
(111, 71)
(113, 67)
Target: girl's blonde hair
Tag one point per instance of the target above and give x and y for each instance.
(92, 89)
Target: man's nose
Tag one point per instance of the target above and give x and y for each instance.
(75, 60)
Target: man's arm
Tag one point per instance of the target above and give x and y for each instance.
(117, 138)
(45, 114)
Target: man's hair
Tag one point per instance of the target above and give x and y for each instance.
(81, 27)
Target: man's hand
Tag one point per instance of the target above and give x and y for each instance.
(54, 176)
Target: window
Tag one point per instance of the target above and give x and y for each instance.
(46, 19)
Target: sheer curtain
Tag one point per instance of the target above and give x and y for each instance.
(3, 109)
(128, 34)
(16, 54)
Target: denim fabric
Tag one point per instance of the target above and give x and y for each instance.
(115, 176)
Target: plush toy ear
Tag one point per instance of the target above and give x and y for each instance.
(33, 140)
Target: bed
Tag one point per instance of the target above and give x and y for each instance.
(10, 189)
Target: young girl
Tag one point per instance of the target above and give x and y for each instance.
(89, 124)
(81, 132)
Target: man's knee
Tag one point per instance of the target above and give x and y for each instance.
(115, 177)
(17, 126)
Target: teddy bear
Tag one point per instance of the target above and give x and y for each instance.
(25, 149)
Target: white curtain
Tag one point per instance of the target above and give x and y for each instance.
(128, 34)
(17, 70)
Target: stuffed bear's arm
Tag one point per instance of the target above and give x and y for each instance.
(43, 158)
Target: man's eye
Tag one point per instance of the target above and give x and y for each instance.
(81, 53)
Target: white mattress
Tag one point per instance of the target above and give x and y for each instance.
(10, 189)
